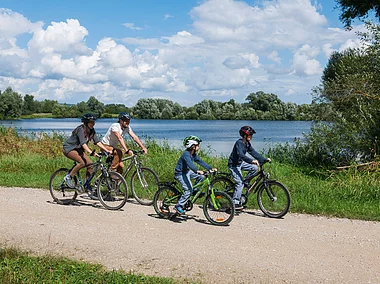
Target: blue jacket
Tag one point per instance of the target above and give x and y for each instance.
(238, 154)
(185, 163)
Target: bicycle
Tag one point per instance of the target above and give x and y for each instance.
(218, 206)
(144, 181)
(111, 187)
(273, 197)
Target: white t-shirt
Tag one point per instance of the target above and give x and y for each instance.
(110, 137)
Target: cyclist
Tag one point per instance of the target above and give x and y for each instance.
(239, 161)
(115, 136)
(186, 170)
(75, 147)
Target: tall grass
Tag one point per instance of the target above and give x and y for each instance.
(29, 160)
(21, 267)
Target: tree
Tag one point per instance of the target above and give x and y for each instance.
(94, 106)
(351, 85)
(30, 105)
(10, 104)
(352, 9)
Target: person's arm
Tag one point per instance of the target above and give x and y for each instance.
(256, 155)
(98, 143)
(122, 143)
(137, 140)
(202, 163)
(240, 151)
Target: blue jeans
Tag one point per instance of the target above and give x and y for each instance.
(185, 182)
(238, 178)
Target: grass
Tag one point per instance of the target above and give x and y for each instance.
(21, 267)
(28, 161)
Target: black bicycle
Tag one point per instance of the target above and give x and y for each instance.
(111, 187)
(273, 197)
(144, 180)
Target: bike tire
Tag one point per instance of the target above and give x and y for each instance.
(223, 184)
(274, 200)
(144, 194)
(112, 191)
(59, 190)
(224, 213)
(164, 201)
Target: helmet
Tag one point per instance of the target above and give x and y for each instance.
(86, 118)
(190, 141)
(124, 116)
(246, 130)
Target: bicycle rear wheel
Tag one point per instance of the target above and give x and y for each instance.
(274, 200)
(59, 190)
(112, 191)
(164, 201)
(224, 210)
(144, 184)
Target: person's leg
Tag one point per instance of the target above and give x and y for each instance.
(250, 168)
(238, 178)
(198, 178)
(81, 159)
(117, 160)
(185, 182)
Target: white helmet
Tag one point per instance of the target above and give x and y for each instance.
(190, 141)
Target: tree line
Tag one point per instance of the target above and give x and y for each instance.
(258, 106)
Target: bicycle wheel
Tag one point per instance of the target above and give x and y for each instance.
(112, 191)
(59, 190)
(144, 184)
(274, 200)
(223, 184)
(164, 201)
(224, 210)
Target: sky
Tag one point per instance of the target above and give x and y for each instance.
(120, 51)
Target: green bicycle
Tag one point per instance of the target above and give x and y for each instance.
(218, 206)
(273, 197)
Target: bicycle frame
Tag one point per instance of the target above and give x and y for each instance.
(97, 166)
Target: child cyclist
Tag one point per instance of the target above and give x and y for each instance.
(238, 161)
(186, 170)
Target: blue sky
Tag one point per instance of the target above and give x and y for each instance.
(184, 51)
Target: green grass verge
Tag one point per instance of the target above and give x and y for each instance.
(21, 267)
(29, 162)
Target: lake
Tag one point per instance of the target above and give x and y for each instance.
(218, 136)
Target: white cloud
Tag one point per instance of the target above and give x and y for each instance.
(230, 50)
(167, 16)
(132, 26)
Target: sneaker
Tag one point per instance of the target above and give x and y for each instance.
(69, 181)
(92, 193)
(238, 207)
(179, 209)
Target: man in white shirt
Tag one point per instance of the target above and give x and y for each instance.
(115, 137)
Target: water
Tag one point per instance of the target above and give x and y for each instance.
(218, 136)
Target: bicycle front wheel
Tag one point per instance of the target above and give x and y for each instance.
(221, 211)
(59, 190)
(164, 200)
(112, 191)
(144, 184)
(223, 184)
(274, 200)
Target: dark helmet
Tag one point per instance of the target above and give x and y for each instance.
(246, 130)
(190, 141)
(124, 116)
(86, 118)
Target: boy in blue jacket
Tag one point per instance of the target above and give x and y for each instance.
(186, 170)
(239, 161)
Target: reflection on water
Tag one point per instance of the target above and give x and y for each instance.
(218, 136)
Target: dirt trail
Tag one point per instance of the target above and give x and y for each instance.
(253, 249)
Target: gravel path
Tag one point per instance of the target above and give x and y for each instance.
(253, 249)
